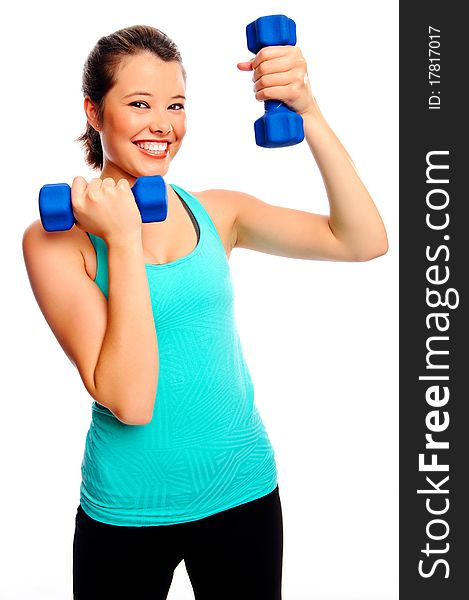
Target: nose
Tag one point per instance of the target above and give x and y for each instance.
(160, 125)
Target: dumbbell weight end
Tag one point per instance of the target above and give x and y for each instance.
(55, 207)
(151, 197)
(279, 126)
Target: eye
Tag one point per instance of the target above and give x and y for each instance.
(142, 104)
(177, 106)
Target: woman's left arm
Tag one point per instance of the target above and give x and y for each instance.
(353, 231)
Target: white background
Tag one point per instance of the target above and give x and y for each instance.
(320, 338)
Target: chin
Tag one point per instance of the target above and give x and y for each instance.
(151, 170)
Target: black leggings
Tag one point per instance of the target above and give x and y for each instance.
(234, 554)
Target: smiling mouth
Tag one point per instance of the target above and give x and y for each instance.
(153, 148)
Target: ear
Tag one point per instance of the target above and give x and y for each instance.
(91, 113)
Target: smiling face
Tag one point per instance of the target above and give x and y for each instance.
(144, 121)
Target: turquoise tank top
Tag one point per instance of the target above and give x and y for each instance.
(206, 448)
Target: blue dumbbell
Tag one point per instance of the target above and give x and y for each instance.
(55, 202)
(279, 126)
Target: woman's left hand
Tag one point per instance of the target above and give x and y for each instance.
(280, 73)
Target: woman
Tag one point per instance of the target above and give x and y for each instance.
(177, 464)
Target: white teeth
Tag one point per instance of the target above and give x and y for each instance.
(153, 146)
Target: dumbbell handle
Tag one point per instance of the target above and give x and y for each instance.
(55, 202)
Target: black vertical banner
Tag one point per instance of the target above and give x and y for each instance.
(434, 356)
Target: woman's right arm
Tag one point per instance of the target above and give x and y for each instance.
(112, 343)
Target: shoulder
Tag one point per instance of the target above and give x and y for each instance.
(33, 229)
(239, 205)
(37, 242)
(223, 207)
(223, 196)
(230, 202)
(35, 233)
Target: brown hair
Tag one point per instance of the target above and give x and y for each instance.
(101, 67)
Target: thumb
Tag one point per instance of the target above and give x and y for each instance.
(245, 66)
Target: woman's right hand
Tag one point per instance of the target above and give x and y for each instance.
(106, 209)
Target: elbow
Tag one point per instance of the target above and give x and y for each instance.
(383, 249)
(133, 418)
(123, 413)
(130, 414)
(374, 252)
(124, 407)
(371, 250)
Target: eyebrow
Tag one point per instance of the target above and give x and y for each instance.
(141, 93)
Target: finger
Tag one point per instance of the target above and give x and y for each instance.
(78, 191)
(108, 182)
(275, 65)
(123, 184)
(93, 188)
(271, 52)
(282, 93)
(79, 185)
(276, 79)
(245, 66)
(95, 184)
